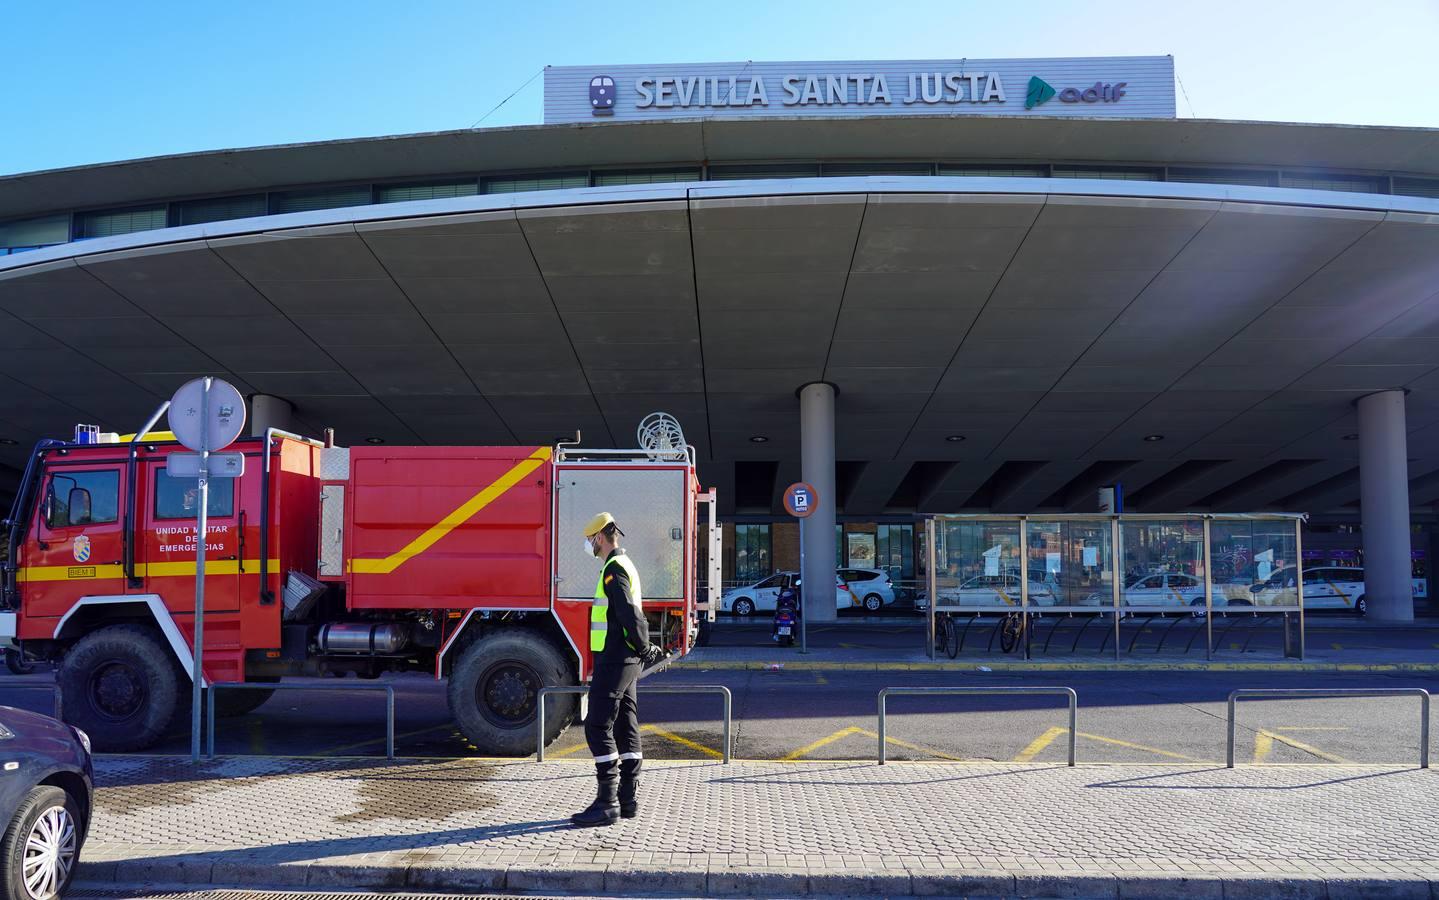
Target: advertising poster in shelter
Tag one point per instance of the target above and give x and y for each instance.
(861, 549)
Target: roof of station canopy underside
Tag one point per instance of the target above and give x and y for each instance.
(1051, 326)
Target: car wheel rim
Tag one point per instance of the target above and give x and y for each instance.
(116, 690)
(49, 853)
(506, 694)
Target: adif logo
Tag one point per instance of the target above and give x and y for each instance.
(602, 95)
(81, 549)
(1041, 91)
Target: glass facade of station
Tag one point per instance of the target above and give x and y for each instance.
(1071, 560)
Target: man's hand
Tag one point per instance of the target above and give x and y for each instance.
(653, 656)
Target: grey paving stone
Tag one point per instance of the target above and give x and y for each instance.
(250, 872)
(98, 871)
(930, 883)
(331, 874)
(163, 870)
(455, 877)
(1274, 888)
(1181, 887)
(1065, 885)
(945, 828)
(768, 882)
(650, 879)
(1391, 887)
(568, 879)
(858, 883)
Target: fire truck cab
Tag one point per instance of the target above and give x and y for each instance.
(465, 563)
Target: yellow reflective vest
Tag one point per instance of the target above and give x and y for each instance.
(599, 613)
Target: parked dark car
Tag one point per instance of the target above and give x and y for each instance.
(46, 794)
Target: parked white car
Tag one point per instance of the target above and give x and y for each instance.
(1173, 589)
(1325, 587)
(871, 587)
(995, 591)
(762, 596)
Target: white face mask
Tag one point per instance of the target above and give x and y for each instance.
(590, 548)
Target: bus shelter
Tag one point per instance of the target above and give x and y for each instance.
(1189, 574)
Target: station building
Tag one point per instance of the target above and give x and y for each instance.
(923, 287)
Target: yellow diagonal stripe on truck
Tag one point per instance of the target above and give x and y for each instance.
(82, 572)
(449, 523)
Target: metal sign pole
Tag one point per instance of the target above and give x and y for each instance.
(803, 616)
(202, 524)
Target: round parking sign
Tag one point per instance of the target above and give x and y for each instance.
(800, 499)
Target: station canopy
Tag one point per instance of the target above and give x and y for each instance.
(1003, 344)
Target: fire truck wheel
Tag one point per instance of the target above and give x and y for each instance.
(119, 685)
(493, 688)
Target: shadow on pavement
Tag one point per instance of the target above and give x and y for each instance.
(1132, 783)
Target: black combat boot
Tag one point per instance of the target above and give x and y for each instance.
(629, 787)
(606, 808)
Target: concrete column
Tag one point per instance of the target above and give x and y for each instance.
(816, 437)
(1384, 506)
(267, 412)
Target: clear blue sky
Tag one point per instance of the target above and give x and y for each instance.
(89, 81)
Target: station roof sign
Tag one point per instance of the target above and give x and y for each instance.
(1126, 87)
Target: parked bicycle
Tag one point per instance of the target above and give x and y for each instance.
(1011, 631)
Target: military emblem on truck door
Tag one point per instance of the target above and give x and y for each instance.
(81, 549)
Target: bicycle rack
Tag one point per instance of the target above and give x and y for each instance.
(1422, 694)
(967, 691)
(241, 685)
(581, 690)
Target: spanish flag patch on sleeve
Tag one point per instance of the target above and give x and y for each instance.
(609, 578)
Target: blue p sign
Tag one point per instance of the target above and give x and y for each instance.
(800, 499)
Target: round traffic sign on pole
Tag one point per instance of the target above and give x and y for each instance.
(197, 430)
(800, 499)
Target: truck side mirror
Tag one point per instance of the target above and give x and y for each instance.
(79, 503)
(56, 514)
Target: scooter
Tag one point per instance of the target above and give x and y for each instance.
(786, 613)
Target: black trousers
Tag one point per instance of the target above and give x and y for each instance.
(612, 727)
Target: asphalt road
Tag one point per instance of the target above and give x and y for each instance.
(1159, 717)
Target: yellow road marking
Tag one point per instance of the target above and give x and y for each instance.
(573, 748)
(1037, 745)
(908, 746)
(794, 756)
(820, 679)
(849, 646)
(1118, 743)
(467, 510)
(682, 741)
(1263, 746)
(1337, 646)
(1300, 745)
(822, 742)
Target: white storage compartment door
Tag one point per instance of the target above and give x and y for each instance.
(649, 505)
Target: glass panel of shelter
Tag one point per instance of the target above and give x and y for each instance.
(1162, 562)
(977, 565)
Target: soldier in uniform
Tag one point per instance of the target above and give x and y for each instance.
(620, 645)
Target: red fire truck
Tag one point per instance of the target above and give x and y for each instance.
(463, 562)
